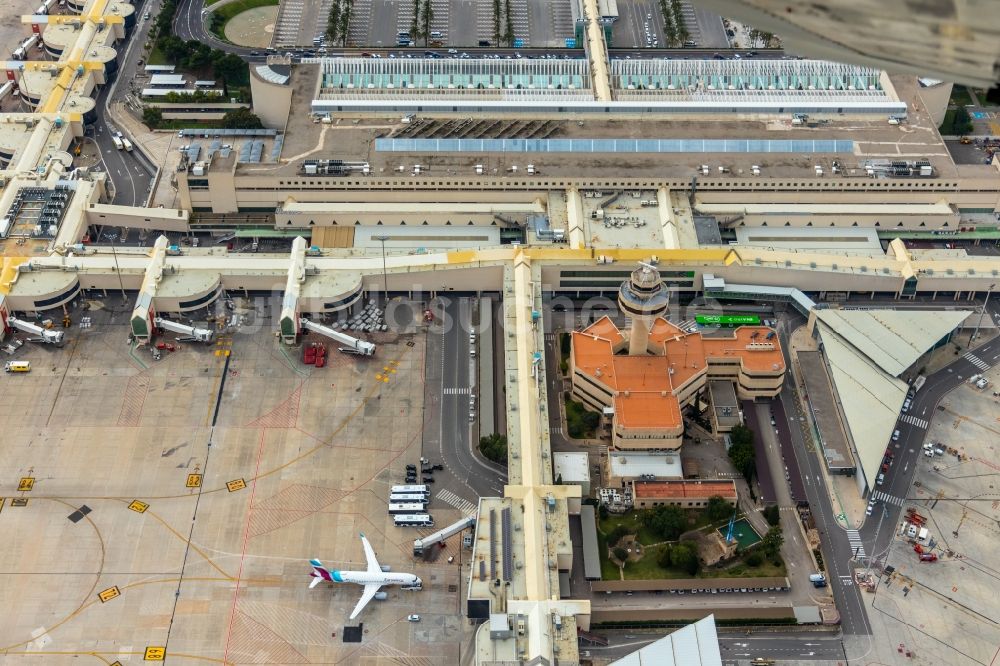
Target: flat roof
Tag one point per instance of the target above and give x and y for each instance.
(591, 554)
(571, 465)
(684, 489)
(661, 465)
(855, 240)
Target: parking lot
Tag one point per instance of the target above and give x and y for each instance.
(945, 610)
(181, 499)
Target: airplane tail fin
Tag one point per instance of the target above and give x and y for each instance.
(319, 573)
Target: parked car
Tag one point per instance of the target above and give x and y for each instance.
(880, 480)
(870, 508)
(413, 618)
(428, 479)
(895, 435)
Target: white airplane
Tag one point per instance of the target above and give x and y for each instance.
(373, 578)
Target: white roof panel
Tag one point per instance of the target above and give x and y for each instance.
(694, 645)
(870, 397)
(892, 339)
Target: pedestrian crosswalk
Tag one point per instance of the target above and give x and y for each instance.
(880, 496)
(857, 548)
(914, 421)
(556, 430)
(463, 505)
(976, 361)
(456, 390)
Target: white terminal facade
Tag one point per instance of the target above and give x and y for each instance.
(45, 266)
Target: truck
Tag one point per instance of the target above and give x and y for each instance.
(817, 579)
(127, 144)
(119, 144)
(17, 366)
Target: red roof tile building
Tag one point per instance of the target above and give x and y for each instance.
(647, 391)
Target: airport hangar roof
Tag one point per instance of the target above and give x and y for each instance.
(866, 351)
(893, 339)
(694, 645)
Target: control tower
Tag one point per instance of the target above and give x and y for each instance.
(643, 298)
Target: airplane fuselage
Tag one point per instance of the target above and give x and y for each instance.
(366, 578)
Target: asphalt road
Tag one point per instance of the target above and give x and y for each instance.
(129, 173)
(834, 545)
(739, 647)
(878, 530)
(447, 430)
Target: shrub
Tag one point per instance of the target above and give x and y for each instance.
(754, 560)
(771, 513)
(494, 447)
(620, 554)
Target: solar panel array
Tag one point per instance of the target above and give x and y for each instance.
(508, 553)
(245, 151)
(614, 145)
(194, 152)
(256, 151)
(229, 132)
(213, 148)
(276, 148)
(493, 544)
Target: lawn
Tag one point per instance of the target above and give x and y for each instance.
(631, 520)
(227, 12)
(960, 96)
(156, 57)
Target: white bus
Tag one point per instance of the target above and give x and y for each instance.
(413, 520)
(398, 490)
(396, 509)
(408, 497)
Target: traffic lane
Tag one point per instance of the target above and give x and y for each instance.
(833, 540)
(455, 426)
(798, 646)
(926, 400)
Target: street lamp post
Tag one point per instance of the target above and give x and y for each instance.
(975, 334)
(121, 283)
(385, 278)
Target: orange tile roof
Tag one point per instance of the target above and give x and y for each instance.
(647, 410)
(647, 377)
(683, 489)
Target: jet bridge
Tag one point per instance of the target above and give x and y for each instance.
(354, 346)
(193, 332)
(45, 335)
(426, 542)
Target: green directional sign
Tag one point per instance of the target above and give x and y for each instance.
(727, 320)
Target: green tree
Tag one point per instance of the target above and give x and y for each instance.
(663, 559)
(684, 556)
(754, 559)
(346, 6)
(603, 512)
(620, 554)
(230, 69)
(508, 34)
(668, 521)
(426, 17)
(241, 118)
(333, 21)
(415, 25)
(772, 514)
(497, 19)
(771, 543)
(494, 447)
(617, 534)
(152, 117)
(741, 452)
(962, 123)
(717, 509)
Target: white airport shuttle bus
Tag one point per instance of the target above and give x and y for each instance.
(397, 498)
(413, 520)
(400, 490)
(396, 509)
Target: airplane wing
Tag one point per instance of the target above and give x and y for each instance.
(373, 565)
(366, 596)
